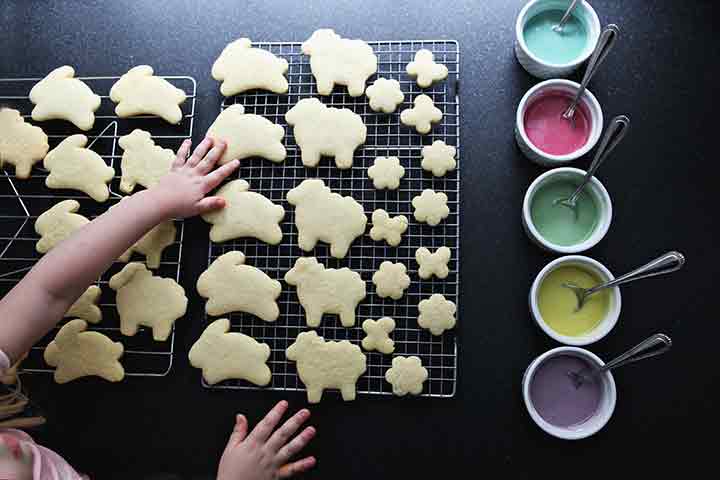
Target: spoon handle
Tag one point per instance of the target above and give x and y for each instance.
(605, 43)
(650, 347)
(669, 262)
(568, 12)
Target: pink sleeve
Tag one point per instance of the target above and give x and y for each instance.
(4, 363)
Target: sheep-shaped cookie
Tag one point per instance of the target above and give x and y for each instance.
(140, 92)
(241, 67)
(322, 365)
(61, 96)
(223, 355)
(321, 130)
(326, 216)
(322, 290)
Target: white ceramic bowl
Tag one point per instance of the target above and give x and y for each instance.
(590, 426)
(607, 323)
(542, 69)
(595, 188)
(588, 102)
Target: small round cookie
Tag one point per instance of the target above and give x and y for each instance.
(430, 207)
(423, 114)
(388, 229)
(406, 375)
(437, 314)
(384, 95)
(425, 70)
(391, 280)
(386, 172)
(438, 158)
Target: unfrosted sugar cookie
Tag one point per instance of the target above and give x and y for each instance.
(322, 365)
(60, 96)
(322, 290)
(425, 70)
(73, 166)
(153, 243)
(76, 353)
(337, 60)
(139, 92)
(378, 335)
(321, 130)
(21, 144)
(247, 135)
(241, 68)
(58, 223)
(86, 307)
(144, 299)
(436, 314)
(224, 355)
(430, 207)
(386, 172)
(143, 162)
(246, 214)
(321, 215)
(384, 95)
(231, 286)
(438, 158)
(423, 114)
(391, 280)
(433, 263)
(406, 375)
(388, 229)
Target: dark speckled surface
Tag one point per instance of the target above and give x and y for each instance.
(661, 179)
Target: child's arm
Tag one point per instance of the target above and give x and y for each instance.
(40, 300)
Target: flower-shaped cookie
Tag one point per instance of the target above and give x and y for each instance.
(378, 335)
(422, 115)
(384, 95)
(391, 280)
(386, 172)
(437, 314)
(425, 69)
(388, 229)
(433, 263)
(430, 207)
(406, 375)
(438, 158)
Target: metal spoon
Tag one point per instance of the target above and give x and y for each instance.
(645, 349)
(615, 132)
(669, 262)
(604, 45)
(558, 28)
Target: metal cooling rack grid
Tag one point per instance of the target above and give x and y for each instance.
(22, 201)
(386, 137)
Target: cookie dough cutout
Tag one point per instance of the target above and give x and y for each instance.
(388, 229)
(438, 158)
(21, 145)
(326, 290)
(139, 92)
(422, 115)
(424, 69)
(391, 280)
(436, 314)
(322, 365)
(143, 299)
(57, 224)
(341, 61)
(386, 172)
(430, 207)
(321, 130)
(321, 215)
(143, 162)
(241, 68)
(77, 168)
(406, 375)
(152, 244)
(378, 335)
(224, 355)
(86, 307)
(60, 96)
(384, 95)
(433, 263)
(247, 135)
(76, 353)
(231, 286)
(246, 214)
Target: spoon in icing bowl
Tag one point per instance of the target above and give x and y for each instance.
(559, 27)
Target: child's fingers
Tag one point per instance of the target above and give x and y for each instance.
(210, 204)
(295, 445)
(215, 178)
(288, 429)
(182, 154)
(239, 432)
(263, 429)
(200, 152)
(291, 469)
(212, 157)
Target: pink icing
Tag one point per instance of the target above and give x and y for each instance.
(551, 133)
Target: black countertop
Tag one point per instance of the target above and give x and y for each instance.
(663, 74)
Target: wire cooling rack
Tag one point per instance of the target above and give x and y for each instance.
(386, 136)
(22, 201)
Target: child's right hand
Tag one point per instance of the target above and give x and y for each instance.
(264, 455)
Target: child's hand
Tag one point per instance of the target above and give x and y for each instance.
(182, 191)
(264, 455)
